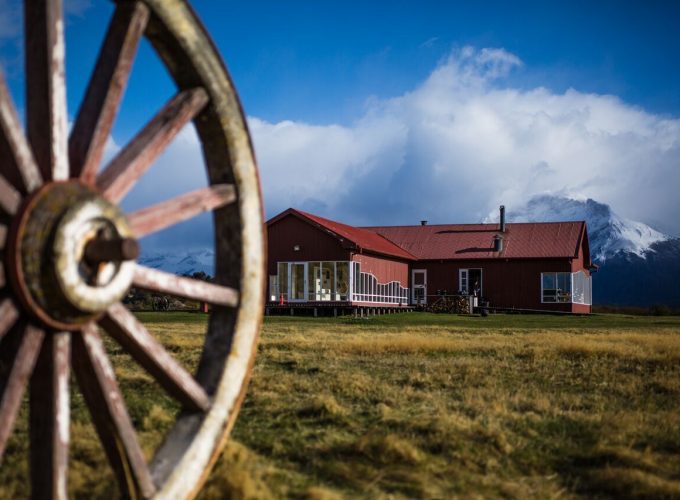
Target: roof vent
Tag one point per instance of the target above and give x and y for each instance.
(423, 223)
(502, 228)
(498, 243)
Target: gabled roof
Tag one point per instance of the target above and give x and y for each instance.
(362, 238)
(475, 241)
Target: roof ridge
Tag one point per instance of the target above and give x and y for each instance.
(476, 224)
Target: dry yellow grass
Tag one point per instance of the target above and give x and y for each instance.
(422, 406)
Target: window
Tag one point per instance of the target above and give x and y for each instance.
(581, 288)
(342, 280)
(283, 280)
(297, 281)
(314, 281)
(463, 280)
(319, 281)
(273, 287)
(555, 287)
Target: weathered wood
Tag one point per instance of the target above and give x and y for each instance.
(97, 382)
(8, 316)
(105, 90)
(9, 197)
(135, 158)
(168, 213)
(12, 389)
(122, 325)
(114, 250)
(49, 418)
(189, 288)
(46, 118)
(12, 134)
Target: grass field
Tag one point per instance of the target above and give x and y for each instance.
(420, 405)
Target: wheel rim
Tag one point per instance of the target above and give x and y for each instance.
(39, 332)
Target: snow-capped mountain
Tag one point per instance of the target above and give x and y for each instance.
(639, 265)
(181, 262)
(609, 233)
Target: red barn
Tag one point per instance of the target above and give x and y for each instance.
(532, 266)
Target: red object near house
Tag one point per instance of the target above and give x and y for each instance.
(536, 266)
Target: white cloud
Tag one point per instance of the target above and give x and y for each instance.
(452, 150)
(462, 142)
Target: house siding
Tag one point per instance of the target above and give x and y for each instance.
(315, 244)
(384, 269)
(505, 283)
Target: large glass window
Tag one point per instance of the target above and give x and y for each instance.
(314, 280)
(297, 281)
(342, 276)
(273, 287)
(283, 280)
(327, 280)
(556, 287)
(318, 281)
(581, 288)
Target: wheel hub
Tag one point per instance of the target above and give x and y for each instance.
(71, 255)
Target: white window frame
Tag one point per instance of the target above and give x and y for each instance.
(466, 272)
(414, 286)
(571, 288)
(290, 281)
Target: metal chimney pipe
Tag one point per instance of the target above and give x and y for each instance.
(423, 223)
(498, 243)
(502, 228)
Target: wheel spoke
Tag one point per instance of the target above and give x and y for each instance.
(8, 316)
(13, 387)
(9, 197)
(168, 213)
(105, 90)
(188, 288)
(150, 354)
(97, 382)
(49, 417)
(46, 119)
(131, 163)
(18, 155)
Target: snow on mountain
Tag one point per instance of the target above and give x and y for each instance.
(181, 261)
(609, 233)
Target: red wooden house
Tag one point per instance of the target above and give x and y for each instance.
(533, 266)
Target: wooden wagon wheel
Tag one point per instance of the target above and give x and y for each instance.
(68, 252)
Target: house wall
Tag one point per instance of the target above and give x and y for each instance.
(505, 283)
(384, 269)
(579, 264)
(315, 243)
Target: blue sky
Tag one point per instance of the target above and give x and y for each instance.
(387, 79)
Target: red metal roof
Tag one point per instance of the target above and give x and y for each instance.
(475, 241)
(457, 241)
(362, 238)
